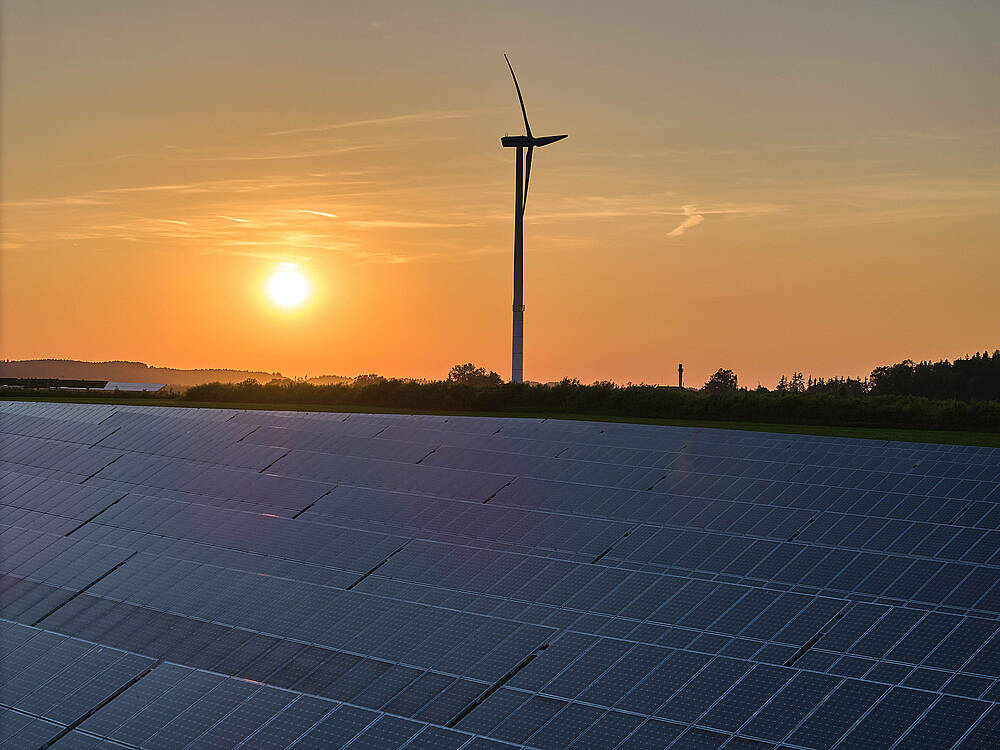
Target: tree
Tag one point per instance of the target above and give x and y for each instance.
(894, 379)
(469, 374)
(370, 379)
(797, 385)
(721, 382)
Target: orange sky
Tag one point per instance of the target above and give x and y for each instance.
(764, 186)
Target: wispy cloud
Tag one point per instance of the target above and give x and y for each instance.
(690, 152)
(389, 224)
(70, 200)
(315, 213)
(434, 116)
(645, 205)
(306, 154)
(113, 196)
(692, 219)
(694, 214)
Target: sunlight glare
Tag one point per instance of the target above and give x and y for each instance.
(288, 286)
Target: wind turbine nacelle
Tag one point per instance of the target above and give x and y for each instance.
(510, 141)
(527, 141)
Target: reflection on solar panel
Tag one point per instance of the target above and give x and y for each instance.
(199, 578)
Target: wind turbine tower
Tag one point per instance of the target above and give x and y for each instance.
(522, 176)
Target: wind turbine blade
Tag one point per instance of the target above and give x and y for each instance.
(527, 177)
(545, 140)
(520, 98)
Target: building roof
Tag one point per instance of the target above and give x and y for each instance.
(118, 386)
(80, 385)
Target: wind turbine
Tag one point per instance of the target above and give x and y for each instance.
(523, 175)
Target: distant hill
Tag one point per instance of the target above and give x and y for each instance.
(329, 379)
(131, 372)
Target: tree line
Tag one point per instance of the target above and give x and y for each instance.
(960, 395)
(971, 378)
(975, 377)
(872, 401)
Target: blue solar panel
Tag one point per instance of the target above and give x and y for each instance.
(210, 578)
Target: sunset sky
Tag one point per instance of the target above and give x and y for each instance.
(763, 186)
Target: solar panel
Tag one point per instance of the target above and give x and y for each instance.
(222, 578)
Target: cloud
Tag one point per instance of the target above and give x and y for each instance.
(695, 215)
(309, 154)
(388, 224)
(693, 219)
(315, 213)
(436, 116)
(80, 200)
(108, 197)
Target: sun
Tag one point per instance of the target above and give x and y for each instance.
(288, 287)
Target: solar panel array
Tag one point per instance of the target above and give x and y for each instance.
(201, 578)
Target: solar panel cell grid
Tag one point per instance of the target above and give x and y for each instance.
(641, 570)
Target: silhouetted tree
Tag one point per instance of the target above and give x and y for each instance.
(841, 387)
(722, 381)
(469, 374)
(975, 377)
(943, 395)
(371, 378)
